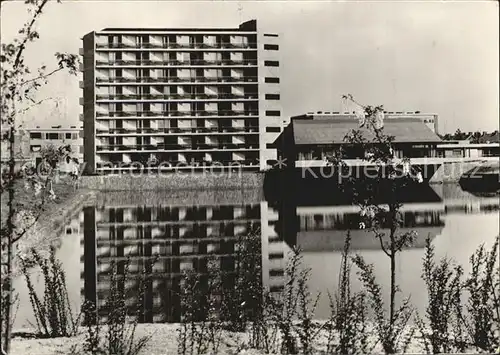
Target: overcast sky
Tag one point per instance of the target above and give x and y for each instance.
(437, 57)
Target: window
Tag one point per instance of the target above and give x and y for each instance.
(271, 47)
(270, 35)
(273, 113)
(276, 272)
(36, 135)
(273, 129)
(52, 136)
(272, 96)
(274, 256)
(272, 80)
(68, 135)
(271, 63)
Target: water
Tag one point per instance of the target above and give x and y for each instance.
(184, 228)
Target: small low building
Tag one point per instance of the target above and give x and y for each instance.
(20, 150)
(309, 139)
(57, 136)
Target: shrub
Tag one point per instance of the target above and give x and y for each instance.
(482, 319)
(53, 314)
(450, 325)
(348, 331)
(442, 332)
(118, 335)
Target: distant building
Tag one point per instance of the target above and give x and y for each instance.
(313, 137)
(39, 138)
(21, 150)
(188, 97)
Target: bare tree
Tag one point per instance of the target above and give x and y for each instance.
(378, 195)
(19, 86)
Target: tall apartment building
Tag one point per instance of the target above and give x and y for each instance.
(181, 97)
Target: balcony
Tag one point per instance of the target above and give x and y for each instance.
(196, 79)
(175, 147)
(196, 113)
(179, 164)
(194, 62)
(196, 96)
(175, 45)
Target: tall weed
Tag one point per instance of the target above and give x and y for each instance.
(117, 336)
(53, 313)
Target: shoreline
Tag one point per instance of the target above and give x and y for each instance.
(164, 337)
(449, 172)
(47, 229)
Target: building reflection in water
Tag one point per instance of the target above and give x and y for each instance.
(185, 232)
(163, 239)
(317, 221)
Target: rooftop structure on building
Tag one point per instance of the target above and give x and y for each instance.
(431, 120)
(188, 97)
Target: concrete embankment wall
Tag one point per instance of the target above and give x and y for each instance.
(177, 181)
(450, 172)
(180, 198)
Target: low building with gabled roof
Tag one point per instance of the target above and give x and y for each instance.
(313, 137)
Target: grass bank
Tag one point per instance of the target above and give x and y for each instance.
(53, 217)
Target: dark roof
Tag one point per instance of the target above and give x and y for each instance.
(328, 131)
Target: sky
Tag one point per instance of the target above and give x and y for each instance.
(433, 56)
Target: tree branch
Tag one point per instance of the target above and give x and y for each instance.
(30, 25)
(34, 103)
(44, 76)
(379, 236)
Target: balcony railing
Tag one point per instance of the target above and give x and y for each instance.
(174, 45)
(182, 163)
(192, 62)
(178, 146)
(197, 113)
(175, 79)
(159, 131)
(197, 96)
